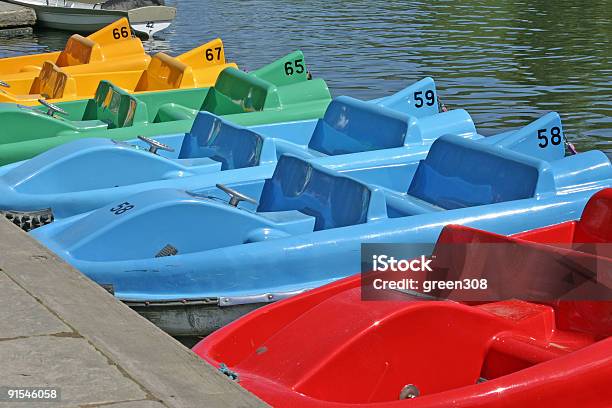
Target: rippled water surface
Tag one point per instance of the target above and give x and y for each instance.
(505, 63)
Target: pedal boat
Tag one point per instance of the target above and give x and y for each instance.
(113, 48)
(262, 96)
(76, 177)
(197, 68)
(191, 261)
(411, 352)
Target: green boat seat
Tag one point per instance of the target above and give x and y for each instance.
(114, 106)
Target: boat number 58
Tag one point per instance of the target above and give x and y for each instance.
(124, 33)
(555, 136)
(430, 98)
(121, 208)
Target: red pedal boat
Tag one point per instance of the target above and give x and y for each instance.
(328, 348)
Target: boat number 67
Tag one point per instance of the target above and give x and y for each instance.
(121, 208)
(555, 136)
(119, 34)
(210, 54)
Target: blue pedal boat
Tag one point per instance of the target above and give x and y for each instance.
(88, 173)
(193, 261)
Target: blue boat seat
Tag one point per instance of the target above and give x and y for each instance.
(211, 137)
(334, 200)
(352, 126)
(460, 173)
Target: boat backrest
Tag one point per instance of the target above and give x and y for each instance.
(351, 126)
(333, 199)
(596, 222)
(234, 146)
(114, 106)
(463, 173)
(113, 41)
(236, 91)
(53, 83)
(165, 72)
(287, 70)
(79, 50)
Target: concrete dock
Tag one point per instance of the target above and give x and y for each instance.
(15, 20)
(60, 329)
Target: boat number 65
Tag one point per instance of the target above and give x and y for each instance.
(555, 136)
(123, 33)
(299, 68)
(121, 208)
(430, 98)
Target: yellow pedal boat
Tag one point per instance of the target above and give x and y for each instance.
(113, 48)
(198, 68)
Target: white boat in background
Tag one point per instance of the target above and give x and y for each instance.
(87, 16)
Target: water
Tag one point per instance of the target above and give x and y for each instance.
(505, 63)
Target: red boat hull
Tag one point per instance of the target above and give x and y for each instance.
(328, 348)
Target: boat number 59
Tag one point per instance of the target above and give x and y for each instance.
(430, 98)
(121, 208)
(124, 33)
(299, 67)
(555, 136)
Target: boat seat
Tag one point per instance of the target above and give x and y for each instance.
(352, 126)
(594, 225)
(236, 91)
(165, 72)
(235, 147)
(170, 112)
(402, 205)
(53, 83)
(79, 50)
(333, 200)
(113, 106)
(461, 173)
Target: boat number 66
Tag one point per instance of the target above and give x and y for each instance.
(121, 208)
(123, 33)
(555, 136)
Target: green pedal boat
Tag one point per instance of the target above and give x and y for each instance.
(279, 92)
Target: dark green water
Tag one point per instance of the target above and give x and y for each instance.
(505, 63)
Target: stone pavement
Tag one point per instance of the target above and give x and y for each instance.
(12, 15)
(59, 329)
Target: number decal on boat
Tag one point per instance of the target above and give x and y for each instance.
(299, 67)
(430, 98)
(150, 24)
(210, 54)
(121, 208)
(555, 136)
(123, 33)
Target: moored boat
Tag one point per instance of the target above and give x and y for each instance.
(272, 236)
(87, 17)
(99, 52)
(192, 69)
(438, 353)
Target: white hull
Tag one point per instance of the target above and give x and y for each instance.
(88, 18)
